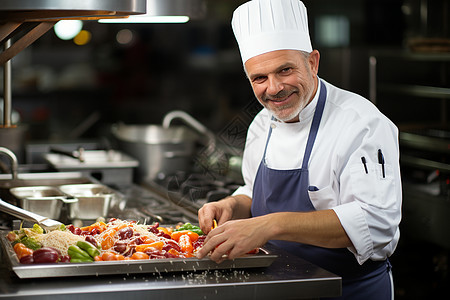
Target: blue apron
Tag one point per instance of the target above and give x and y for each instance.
(287, 190)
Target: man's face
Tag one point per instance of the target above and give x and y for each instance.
(284, 81)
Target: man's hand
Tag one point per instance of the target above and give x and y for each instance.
(236, 238)
(233, 207)
(220, 211)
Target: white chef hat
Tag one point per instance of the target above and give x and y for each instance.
(261, 26)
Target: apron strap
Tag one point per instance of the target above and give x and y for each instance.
(315, 124)
(267, 140)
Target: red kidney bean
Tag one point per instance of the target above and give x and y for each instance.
(45, 255)
(65, 258)
(136, 241)
(153, 230)
(91, 239)
(165, 235)
(120, 247)
(170, 255)
(131, 250)
(199, 242)
(153, 256)
(171, 244)
(71, 228)
(125, 233)
(153, 253)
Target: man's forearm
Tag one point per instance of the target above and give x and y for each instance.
(319, 228)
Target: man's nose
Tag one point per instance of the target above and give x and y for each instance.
(275, 85)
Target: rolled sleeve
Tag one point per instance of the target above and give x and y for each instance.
(243, 190)
(353, 219)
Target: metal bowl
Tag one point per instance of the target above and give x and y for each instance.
(43, 200)
(93, 200)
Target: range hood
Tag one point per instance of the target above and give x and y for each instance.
(37, 17)
(166, 11)
(30, 19)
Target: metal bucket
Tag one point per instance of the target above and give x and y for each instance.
(160, 151)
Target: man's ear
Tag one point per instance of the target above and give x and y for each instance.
(313, 59)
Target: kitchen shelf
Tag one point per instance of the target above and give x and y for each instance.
(425, 164)
(402, 75)
(425, 142)
(412, 56)
(416, 90)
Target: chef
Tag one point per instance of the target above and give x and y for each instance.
(320, 165)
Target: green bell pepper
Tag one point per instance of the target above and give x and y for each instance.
(79, 260)
(78, 255)
(89, 248)
(190, 227)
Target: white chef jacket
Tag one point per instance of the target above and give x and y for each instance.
(367, 204)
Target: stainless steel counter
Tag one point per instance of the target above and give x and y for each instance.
(287, 277)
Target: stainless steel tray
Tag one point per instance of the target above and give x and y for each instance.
(94, 159)
(156, 266)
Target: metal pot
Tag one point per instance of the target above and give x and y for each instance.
(159, 150)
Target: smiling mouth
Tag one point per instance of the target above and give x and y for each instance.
(280, 101)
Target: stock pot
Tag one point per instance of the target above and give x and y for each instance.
(160, 151)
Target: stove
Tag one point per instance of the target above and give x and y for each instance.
(192, 190)
(145, 206)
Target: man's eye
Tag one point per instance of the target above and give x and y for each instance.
(259, 79)
(286, 70)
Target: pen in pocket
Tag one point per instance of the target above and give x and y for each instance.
(381, 161)
(363, 159)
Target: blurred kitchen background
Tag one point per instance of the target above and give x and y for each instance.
(394, 52)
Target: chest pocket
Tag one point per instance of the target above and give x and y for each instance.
(323, 198)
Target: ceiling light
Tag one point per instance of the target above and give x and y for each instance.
(68, 29)
(148, 19)
(165, 11)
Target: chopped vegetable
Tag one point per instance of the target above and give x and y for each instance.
(114, 240)
(37, 229)
(12, 236)
(186, 243)
(21, 250)
(89, 248)
(30, 243)
(45, 255)
(144, 247)
(189, 226)
(177, 234)
(79, 255)
(140, 255)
